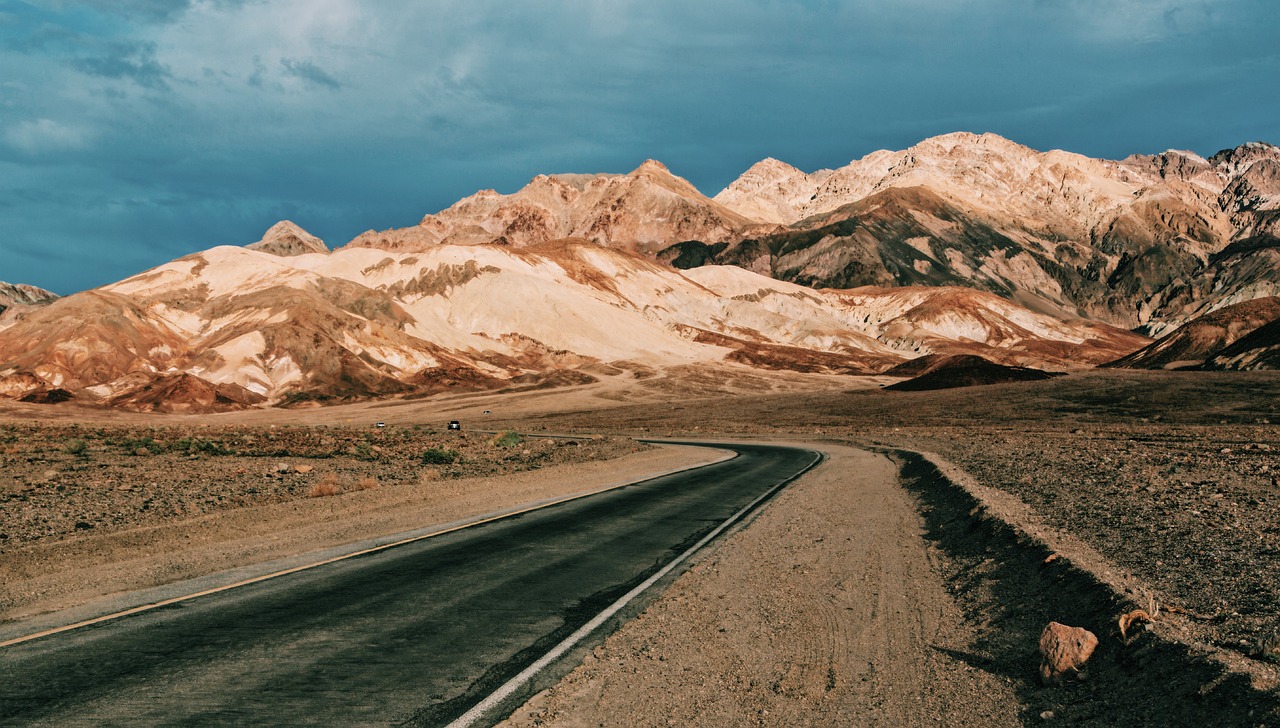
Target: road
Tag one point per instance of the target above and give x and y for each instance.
(413, 635)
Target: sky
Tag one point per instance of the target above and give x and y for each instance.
(133, 132)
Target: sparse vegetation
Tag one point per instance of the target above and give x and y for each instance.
(197, 445)
(367, 483)
(134, 475)
(506, 438)
(440, 456)
(327, 486)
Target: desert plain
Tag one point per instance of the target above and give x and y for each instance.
(904, 581)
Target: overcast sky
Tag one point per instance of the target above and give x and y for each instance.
(136, 131)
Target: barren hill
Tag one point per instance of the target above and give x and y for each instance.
(16, 299)
(1203, 337)
(233, 327)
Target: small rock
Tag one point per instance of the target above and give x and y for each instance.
(303, 469)
(1046, 715)
(1063, 651)
(50, 474)
(1268, 647)
(1225, 451)
(283, 467)
(83, 525)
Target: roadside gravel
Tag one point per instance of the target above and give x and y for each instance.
(56, 574)
(826, 610)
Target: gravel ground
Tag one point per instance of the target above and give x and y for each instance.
(60, 480)
(1194, 512)
(1171, 476)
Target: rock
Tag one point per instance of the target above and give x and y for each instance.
(1268, 647)
(282, 468)
(1064, 651)
(303, 469)
(1047, 715)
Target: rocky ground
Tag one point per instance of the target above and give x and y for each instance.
(57, 481)
(1192, 511)
(1172, 477)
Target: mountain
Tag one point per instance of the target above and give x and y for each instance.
(232, 327)
(1203, 337)
(286, 239)
(646, 209)
(16, 299)
(1150, 241)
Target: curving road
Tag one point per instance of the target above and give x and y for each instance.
(413, 635)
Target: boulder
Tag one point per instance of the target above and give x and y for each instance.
(1064, 651)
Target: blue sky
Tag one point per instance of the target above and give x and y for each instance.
(136, 131)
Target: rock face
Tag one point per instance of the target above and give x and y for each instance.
(233, 327)
(286, 239)
(1064, 651)
(647, 209)
(1149, 241)
(1204, 337)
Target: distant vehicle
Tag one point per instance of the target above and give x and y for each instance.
(488, 412)
(380, 424)
(455, 425)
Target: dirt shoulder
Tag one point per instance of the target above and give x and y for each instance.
(826, 610)
(83, 570)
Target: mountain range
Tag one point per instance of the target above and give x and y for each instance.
(961, 245)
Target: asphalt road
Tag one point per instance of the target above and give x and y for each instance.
(414, 635)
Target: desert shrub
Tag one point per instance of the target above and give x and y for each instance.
(141, 446)
(75, 447)
(367, 483)
(507, 438)
(327, 486)
(364, 451)
(439, 456)
(194, 445)
(428, 474)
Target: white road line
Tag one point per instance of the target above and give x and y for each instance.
(362, 552)
(511, 686)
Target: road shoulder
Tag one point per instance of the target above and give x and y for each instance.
(64, 582)
(826, 610)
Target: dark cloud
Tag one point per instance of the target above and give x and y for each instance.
(309, 72)
(346, 115)
(132, 61)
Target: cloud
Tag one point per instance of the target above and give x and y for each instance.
(160, 127)
(40, 136)
(309, 72)
(132, 61)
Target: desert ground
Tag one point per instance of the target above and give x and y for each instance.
(865, 591)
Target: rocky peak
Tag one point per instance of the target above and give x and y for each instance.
(651, 167)
(286, 238)
(1236, 161)
(21, 294)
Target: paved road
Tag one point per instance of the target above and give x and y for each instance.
(413, 635)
